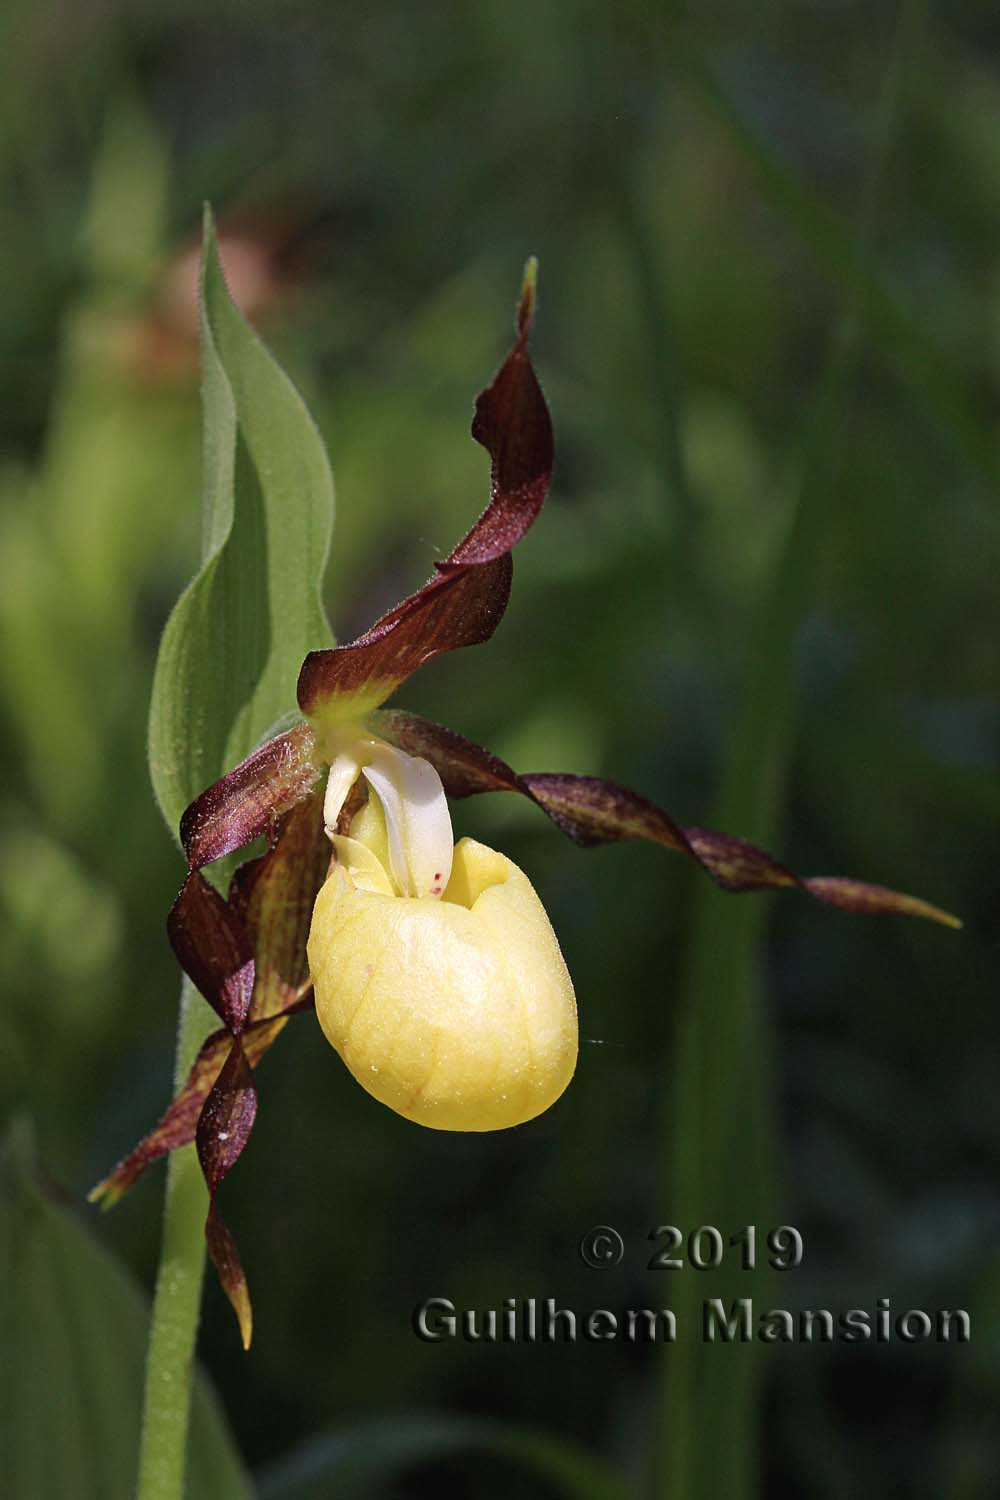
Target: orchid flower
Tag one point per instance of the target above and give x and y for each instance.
(432, 967)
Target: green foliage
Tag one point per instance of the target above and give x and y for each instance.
(233, 645)
(363, 1460)
(74, 1326)
(416, 178)
(731, 1163)
(225, 670)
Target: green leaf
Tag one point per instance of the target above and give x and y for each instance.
(232, 648)
(363, 1459)
(226, 671)
(73, 1327)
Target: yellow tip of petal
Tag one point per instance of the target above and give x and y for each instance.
(245, 1319)
(913, 906)
(105, 1195)
(529, 295)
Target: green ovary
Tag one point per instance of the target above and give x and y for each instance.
(456, 1012)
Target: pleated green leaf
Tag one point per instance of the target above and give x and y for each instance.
(232, 648)
(73, 1328)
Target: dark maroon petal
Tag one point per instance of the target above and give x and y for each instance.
(275, 895)
(465, 600)
(464, 767)
(175, 1129)
(221, 944)
(857, 896)
(593, 811)
(213, 947)
(229, 1269)
(177, 1126)
(458, 608)
(224, 1127)
(589, 810)
(736, 865)
(226, 1118)
(512, 422)
(251, 799)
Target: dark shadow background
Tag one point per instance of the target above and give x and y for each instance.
(693, 187)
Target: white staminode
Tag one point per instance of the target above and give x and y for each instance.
(421, 841)
(344, 772)
(418, 823)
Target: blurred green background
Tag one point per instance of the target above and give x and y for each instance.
(763, 593)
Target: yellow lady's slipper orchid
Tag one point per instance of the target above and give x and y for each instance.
(452, 1005)
(437, 976)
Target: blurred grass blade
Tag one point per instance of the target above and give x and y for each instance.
(74, 1333)
(232, 648)
(937, 389)
(970, 1452)
(723, 1136)
(70, 567)
(364, 1460)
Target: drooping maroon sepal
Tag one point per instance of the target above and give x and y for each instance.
(593, 811)
(177, 1126)
(227, 1117)
(229, 1269)
(251, 799)
(213, 944)
(274, 896)
(247, 956)
(258, 934)
(464, 601)
(214, 949)
(223, 1130)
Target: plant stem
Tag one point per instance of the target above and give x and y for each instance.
(170, 1356)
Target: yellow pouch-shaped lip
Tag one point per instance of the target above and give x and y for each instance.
(458, 1013)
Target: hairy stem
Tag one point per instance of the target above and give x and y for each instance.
(170, 1356)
